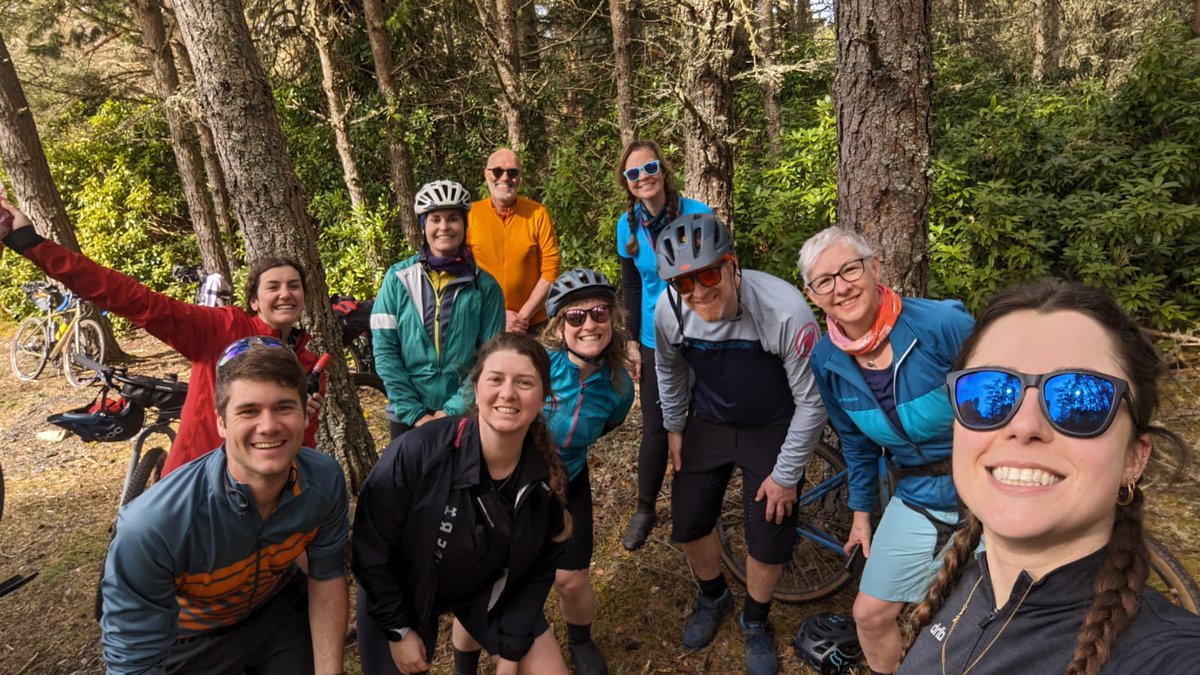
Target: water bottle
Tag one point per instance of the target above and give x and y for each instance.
(314, 375)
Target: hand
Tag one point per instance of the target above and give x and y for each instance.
(409, 653)
(19, 219)
(313, 407)
(634, 352)
(422, 420)
(675, 447)
(438, 415)
(860, 533)
(505, 667)
(514, 322)
(779, 499)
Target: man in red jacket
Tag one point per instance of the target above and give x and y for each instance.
(274, 300)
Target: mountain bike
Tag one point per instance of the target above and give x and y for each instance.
(817, 569)
(373, 400)
(354, 318)
(57, 334)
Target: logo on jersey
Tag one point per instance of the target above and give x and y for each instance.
(938, 631)
(806, 339)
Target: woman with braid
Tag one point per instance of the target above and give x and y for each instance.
(1053, 405)
(653, 202)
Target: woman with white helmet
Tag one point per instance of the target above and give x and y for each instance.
(433, 312)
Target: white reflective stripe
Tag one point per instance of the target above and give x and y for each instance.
(497, 589)
(383, 322)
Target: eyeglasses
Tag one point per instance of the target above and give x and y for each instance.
(512, 174)
(1078, 403)
(239, 347)
(851, 271)
(649, 168)
(576, 317)
(708, 277)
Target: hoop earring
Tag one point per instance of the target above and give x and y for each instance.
(1125, 493)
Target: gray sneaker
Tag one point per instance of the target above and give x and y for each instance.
(762, 657)
(705, 618)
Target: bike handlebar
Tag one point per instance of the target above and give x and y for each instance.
(90, 364)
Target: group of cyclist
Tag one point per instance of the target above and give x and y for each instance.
(482, 502)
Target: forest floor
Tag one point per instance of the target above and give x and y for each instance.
(61, 497)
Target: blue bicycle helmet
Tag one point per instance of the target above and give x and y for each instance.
(104, 420)
(828, 643)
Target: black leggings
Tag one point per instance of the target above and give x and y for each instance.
(652, 456)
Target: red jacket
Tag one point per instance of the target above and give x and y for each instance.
(198, 333)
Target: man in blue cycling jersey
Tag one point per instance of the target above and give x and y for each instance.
(233, 563)
(736, 390)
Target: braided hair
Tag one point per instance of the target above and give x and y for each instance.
(669, 188)
(1125, 566)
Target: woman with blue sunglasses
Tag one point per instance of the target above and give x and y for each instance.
(881, 369)
(1053, 403)
(653, 202)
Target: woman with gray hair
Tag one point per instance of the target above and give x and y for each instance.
(881, 369)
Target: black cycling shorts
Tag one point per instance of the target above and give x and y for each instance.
(577, 552)
(710, 452)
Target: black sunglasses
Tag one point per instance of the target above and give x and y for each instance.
(576, 317)
(1078, 403)
(513, 174)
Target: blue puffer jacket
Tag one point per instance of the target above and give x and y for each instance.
(584, 409)
(925, 342)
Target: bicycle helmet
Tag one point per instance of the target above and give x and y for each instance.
(104, 419)
(692, 242)
(828, 643)
(577, 284)
(442, 194)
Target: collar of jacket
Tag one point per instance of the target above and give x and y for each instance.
(531, 466)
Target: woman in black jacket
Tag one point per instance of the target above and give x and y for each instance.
(465, 515)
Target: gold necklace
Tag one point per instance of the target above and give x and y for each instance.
(962, 610)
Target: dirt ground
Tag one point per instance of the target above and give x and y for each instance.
(61, 497)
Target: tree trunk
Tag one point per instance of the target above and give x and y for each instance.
(148, 15)
(399, 161)
(707, 98)
(624, 70)
(951, 21)
(1046, 14)
(1195, 24)
(770, 81)
(499, 19)
(236, 99)
(25, 162)
(322, 32)
(802, 21)
(882, 88)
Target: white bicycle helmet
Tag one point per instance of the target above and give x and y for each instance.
(442, 194)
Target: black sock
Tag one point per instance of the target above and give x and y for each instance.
(713, 588)
(466, 663)
(754, 611)
(577, 635)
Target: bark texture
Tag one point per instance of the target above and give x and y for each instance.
(623, 64)
(707, 98)
(1195, 24)
(184, 142)
(322, 31)
(502, 29)
(236, 100)
(770, 82)
(882, 89)
(399, 160)
(1046, 38)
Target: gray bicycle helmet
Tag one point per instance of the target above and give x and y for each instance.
(442, 194)
(828, 643)
(691, 242)
(575, 284)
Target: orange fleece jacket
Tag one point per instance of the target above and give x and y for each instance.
(517, 250)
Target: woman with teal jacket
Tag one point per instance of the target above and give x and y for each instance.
(592, 394)
(433, 312)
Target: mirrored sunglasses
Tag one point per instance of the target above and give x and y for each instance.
(1078, 403)
(635, 172)
(512, 174)
(239, 347)
(576, 317)
(708, 277)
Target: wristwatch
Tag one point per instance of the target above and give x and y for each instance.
(396, 634)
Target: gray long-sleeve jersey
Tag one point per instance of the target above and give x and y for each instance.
(748, 371)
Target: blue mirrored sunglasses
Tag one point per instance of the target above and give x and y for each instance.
(1078, 403)
(239, 347)
(635, 172)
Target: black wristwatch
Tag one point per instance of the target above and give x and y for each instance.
(396, 634)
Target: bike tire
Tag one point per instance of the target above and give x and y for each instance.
(87, 338)
(1169, 576)
(30, 348)
(373, 399)
(815, 571)
(148, 471)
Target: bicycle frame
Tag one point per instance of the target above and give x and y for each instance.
(823, 488)
(161, 425)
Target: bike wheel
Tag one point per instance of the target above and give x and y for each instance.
(816, 570)
(1170, 578)
(373, 399)
(148, 471)
(86, 338)
(30, 348)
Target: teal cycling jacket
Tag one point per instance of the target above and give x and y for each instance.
(583, 410)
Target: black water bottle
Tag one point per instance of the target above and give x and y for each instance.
(314, 375)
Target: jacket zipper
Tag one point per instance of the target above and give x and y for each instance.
(575, 417)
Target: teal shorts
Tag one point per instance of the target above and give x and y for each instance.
(903, 560)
